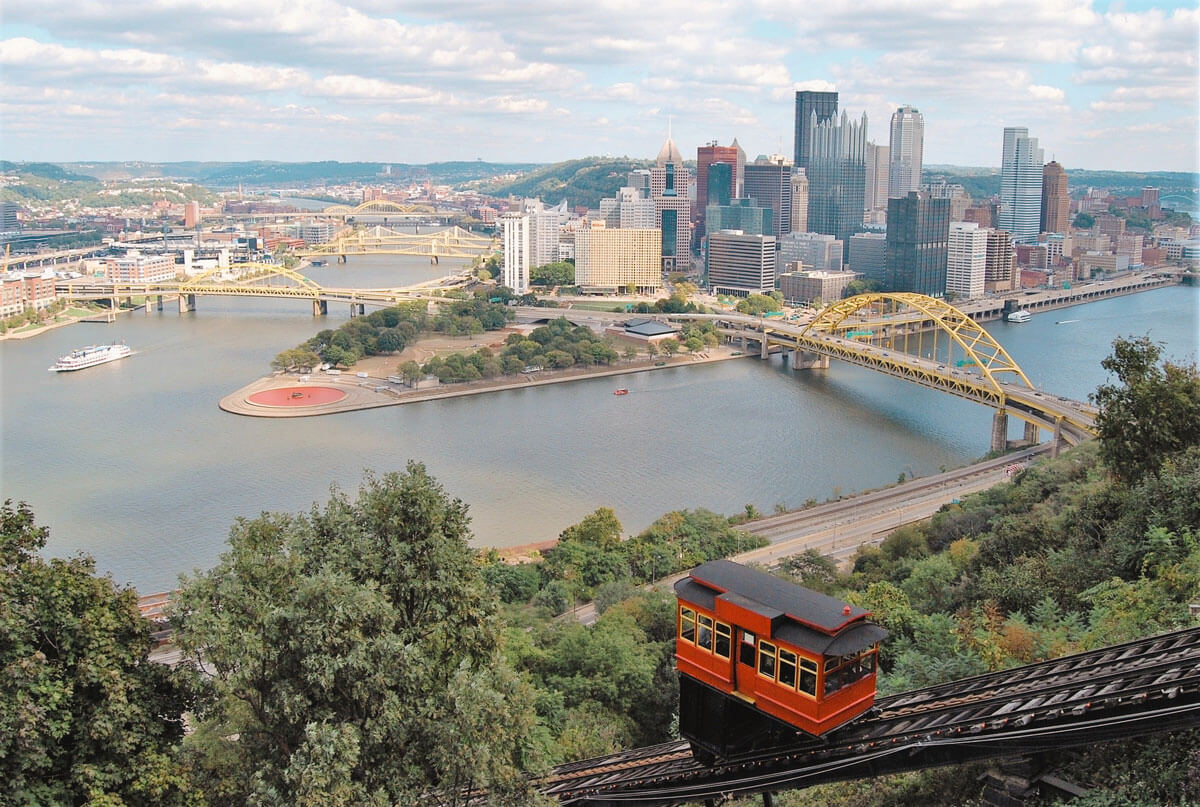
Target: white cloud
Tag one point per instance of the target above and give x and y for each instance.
(364, 70)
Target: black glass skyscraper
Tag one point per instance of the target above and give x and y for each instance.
(918, 244)
(825, 105)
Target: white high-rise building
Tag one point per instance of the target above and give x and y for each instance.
(905, 149)
(966, 262)
(515, 234)
(1020, 186)
(545, 224)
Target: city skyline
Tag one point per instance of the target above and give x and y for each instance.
(1105, 86)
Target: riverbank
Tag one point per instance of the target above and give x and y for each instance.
(68, 317)
(374, 390)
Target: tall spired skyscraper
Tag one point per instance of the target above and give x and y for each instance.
(837, 177)
(808, 103)
(1020, 185)
(905, 147)
(673, 207)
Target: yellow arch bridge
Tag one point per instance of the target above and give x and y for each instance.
(454, 242)
(925, 341)
(252, 280)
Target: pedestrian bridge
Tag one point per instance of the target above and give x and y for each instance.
(925, 341)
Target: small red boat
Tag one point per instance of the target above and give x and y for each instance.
(621, 391)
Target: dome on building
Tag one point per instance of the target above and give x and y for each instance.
(669, 153)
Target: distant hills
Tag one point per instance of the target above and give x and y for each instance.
(582, 182)
(264, 173)
(982, 183)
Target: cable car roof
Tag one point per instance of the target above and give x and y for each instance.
(771, 597)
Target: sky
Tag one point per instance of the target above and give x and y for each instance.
(1102, 85)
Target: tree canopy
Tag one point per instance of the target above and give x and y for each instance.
(84, 717)
(354, 656)
(1152, 413)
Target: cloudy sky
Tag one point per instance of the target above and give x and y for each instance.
(1101, 84)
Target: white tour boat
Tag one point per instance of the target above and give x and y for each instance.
(90, 356)
(1019, 316)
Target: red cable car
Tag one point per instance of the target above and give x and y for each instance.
(760, 659)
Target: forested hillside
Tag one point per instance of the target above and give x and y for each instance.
(581, 182)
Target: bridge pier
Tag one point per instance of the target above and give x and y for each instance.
(187, 302)
(743, 338)
(357, 309)
(1000, 431)
(1032, 433)
(320, 308)
(804, 360)
(1056, 440)
(764, 351)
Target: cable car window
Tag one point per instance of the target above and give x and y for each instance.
(808, 677)
(787, 668)
(723, 640)
(746, 655)
(766, 659)
(687, 624)
(705, 635)
(851, 668)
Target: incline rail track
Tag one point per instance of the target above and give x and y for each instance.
(1139, 687)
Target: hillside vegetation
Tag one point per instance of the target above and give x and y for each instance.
(581, 182)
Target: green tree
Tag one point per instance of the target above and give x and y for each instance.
(85, 717)
(756, 304)
(297, 357)
(669, 346)
(600, 528)
(1151, 414)
(353, 655)
(410, 371)
(559, 273)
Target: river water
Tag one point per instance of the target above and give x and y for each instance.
(134, 463)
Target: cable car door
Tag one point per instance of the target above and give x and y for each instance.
(743, 670)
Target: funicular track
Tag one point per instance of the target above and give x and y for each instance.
(1144, 686)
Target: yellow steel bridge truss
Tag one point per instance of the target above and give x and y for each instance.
(931, 343)
(454, 242)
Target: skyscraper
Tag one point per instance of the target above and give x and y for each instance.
(1056, 201)
(770, 182)
(1020, 185)
(998, 274)
(877, 177)
(669, 190)
(705, 157)
(822, 105)
(966, 261)
(721, 184)
(917, 235)
(837, 177)
(515, 233)
(799, 201)
(905, 146)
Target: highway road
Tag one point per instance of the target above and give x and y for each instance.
(837, 529)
